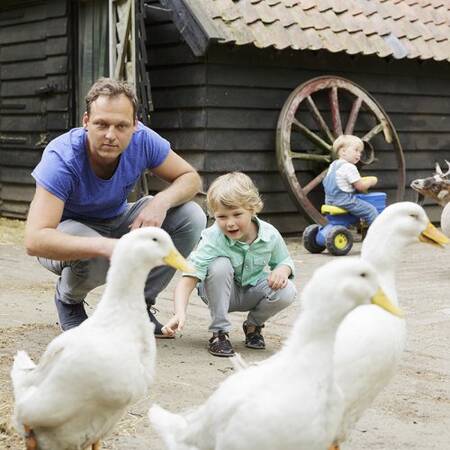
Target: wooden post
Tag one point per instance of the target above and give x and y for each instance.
(122, 44)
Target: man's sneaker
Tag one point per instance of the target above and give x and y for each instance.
(220, 345)
(158, 325)
(254, 339)
(70, 314)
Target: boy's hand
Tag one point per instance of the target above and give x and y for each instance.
(176, 323)
(365, 183)
(372, 180)
(278, 277)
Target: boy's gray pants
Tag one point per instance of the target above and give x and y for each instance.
(224, 295)
(184, 224)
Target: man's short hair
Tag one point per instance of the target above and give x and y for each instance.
(233, 190)
(111, 88)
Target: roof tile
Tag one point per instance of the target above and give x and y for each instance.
(308, 4)
(249, 13)
(323, 5)
(314, 40)
(297, 38)
(303, 20)
(265, 13)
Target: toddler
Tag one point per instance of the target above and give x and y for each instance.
(343, 179)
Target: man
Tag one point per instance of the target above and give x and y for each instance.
(80, 207)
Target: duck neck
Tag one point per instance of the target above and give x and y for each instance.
(124, 290)
(385, 256)
(382, 257)
(314, 333)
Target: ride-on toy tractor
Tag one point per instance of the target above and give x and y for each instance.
(336, 236)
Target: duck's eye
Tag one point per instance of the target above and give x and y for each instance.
(154, 240)
(363, 274)
(414, 216)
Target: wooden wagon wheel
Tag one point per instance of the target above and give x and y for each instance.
(304, 138)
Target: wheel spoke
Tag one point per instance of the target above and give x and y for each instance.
(318, 118)
(311, 136)
(335, 113)
(353, 116)
(310, 157)
(315, 182)
(373, 132)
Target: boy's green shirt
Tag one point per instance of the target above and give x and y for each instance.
(249, 261)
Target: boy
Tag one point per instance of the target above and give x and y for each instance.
(230, 264)
(343, 179)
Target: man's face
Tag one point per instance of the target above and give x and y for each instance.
(110, 126)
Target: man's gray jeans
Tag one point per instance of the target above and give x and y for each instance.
(184, 224)
(224, 295)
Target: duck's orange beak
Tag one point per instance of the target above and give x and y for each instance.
(431, 235)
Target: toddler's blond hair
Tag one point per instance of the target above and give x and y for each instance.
(233, 190)
(345, 139)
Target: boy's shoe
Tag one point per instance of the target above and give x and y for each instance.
(254, 339)
(158, 325)
(220, 345)
(70, 315)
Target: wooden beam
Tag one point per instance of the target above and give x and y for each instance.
(123, 42)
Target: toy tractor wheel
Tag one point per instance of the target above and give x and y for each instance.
(309, 239)
(313, 116)
(339, 241)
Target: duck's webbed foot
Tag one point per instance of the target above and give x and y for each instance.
(96, 445)
(334, 447)
(30, 438)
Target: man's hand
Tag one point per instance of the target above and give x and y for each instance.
(152, 215)
(278, 277)
(176, 323)
(184, 183)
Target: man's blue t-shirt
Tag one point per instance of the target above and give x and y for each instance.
(65, 171)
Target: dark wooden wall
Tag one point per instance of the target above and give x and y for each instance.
(221, 112)
(178, 86)
(35, 94)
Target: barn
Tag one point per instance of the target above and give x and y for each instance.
(261, 86)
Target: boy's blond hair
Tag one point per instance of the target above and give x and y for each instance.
(233, 190)
(343, 140)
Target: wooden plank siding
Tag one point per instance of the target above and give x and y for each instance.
(35, 94)
(221, 112)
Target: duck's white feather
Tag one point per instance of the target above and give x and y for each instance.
(445, 220)
(370, 341)
(290, 401)
(89, 375)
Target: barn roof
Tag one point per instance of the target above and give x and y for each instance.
(414, 29)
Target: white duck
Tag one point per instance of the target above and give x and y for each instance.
(291, 401)
(369, 342)
(89, 375)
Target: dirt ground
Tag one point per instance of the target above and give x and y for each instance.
(412, 413)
